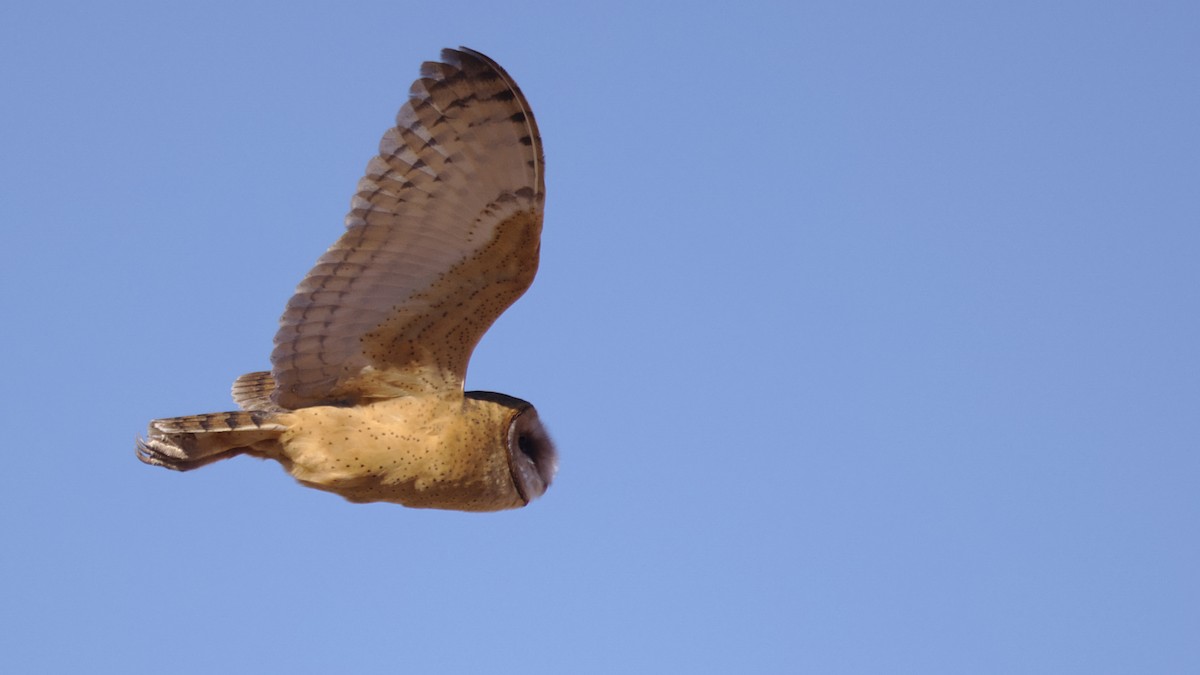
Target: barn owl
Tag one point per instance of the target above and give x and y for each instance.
(365, 394)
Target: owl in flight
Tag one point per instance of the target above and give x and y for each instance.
(365, 394)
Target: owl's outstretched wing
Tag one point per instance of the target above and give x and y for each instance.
(442, 236)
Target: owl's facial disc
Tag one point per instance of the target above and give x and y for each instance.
(531, 454)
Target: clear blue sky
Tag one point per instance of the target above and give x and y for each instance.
(868, 334)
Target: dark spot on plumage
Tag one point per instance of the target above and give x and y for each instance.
(459, 102)
(504, 95)
(518, 117)
(526, 140)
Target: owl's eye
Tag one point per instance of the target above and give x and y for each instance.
(526, 444)
(534, 443)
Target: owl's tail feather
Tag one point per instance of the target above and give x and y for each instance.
(186, 443)
(252, 391)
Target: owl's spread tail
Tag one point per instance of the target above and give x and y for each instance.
(185, 443)
(252, 391)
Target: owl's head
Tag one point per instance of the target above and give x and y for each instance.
(531, 454)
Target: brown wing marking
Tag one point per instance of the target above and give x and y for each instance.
(442, 236)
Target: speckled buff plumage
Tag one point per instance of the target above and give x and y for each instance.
(365, 396)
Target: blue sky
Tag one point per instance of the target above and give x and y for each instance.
(867, 332)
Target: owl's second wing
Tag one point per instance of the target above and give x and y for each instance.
(443, 235)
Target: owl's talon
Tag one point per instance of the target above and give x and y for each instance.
(160, 453)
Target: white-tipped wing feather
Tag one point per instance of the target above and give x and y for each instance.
(442, 236)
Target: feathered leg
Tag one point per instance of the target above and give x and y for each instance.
(185, 443)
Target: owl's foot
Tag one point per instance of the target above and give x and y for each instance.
(166, 452)
(186, 443)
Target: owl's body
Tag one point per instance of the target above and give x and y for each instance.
(365, 398)
(394, 450)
